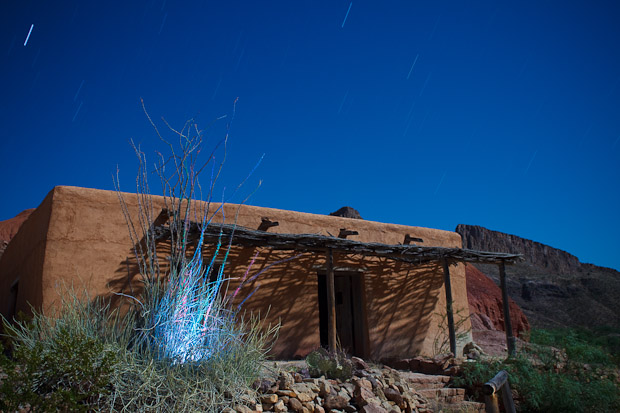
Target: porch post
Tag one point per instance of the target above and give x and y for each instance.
(510, 340)
(448, 288)
(331, 301)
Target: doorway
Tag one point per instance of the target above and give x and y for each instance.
(350, 316)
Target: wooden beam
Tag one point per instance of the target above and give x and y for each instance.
(346, 232)
(318, 243)
(266, 223)
(510, 340)
(409, 238)
(331, 301)
(450, 314)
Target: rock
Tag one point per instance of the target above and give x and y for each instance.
(269, 398)
(319, 409)
(551, 259)
(349, 388)
(443, 361)
(362, 396)
(373, 408)
(279, 407)
(324, 388)
(295, 405)
(305, 397)
(285, 381)
(375, 383)
(310, 406)
(394, 396)
(347, 212)
(362, 383)
(240, 408)
(486, 307)
(9, 227)
(427, 366)
(359, 364)
(400, 364)
(263, 385)
(471, 346)
(287, 393)
(335, 402)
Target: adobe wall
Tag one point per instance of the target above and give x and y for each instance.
(21, 264)
(87, 243)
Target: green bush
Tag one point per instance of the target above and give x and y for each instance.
(56, 365)
(333, 365)
(582, 345)
(545, 381)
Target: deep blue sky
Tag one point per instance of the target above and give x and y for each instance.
(509, 118)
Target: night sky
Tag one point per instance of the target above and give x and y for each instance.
(500, 114)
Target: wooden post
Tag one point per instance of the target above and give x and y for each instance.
(448, 287)
(331, 302)
(490, 389)
(510, 340)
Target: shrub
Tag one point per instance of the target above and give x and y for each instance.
(145, 382)
(58, 363)
(333, 365)
(545, 381)
(190, 350)
(581, 345)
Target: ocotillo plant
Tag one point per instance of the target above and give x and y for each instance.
(182, 317)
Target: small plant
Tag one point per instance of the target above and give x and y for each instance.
(333, 365)
(441, 343)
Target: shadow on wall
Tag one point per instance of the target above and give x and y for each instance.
(399, 298)
(401, 301)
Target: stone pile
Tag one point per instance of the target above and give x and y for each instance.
(370, 390)
(444, 364)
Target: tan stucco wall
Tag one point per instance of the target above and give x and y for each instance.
(86, 242)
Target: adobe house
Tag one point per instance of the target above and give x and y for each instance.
(377, 288)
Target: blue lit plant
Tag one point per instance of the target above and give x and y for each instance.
(183, 316)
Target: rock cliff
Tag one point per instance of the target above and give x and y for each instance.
(486, 307)
(552, 287)
(535, 253)
(9, 227)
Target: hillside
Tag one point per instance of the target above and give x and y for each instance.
(9, 227)
(552, 287)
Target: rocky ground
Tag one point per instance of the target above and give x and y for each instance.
(288, 387)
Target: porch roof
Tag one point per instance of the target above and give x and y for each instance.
(320, 243)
